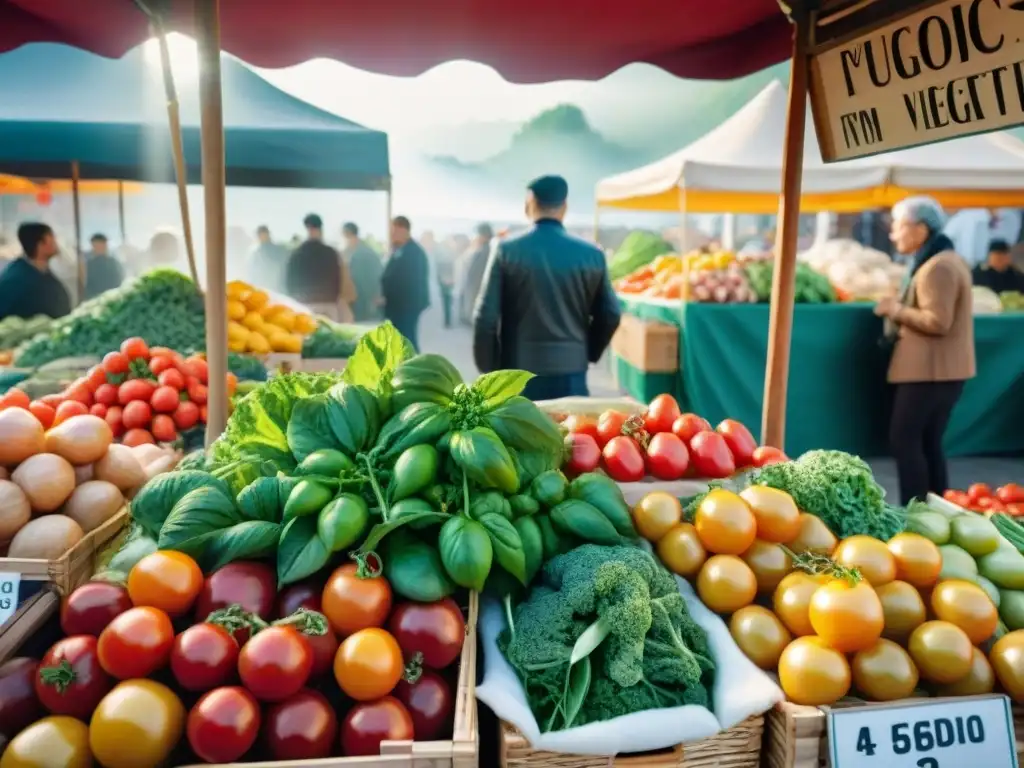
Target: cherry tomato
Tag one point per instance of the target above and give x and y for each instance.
(1015, 509)
(302, 727)
(884, 672)
(99, 410)
(135, 389)
(186, 415)
(163, 428)
(44, 413)
(967, 606)
(251, 585)
(116, 363)
(765, 455)
(688, 425)
(429, 702)
(667, 457)
(792, 601)
(813, 536)
(15, 398)
(164, 399)
(1011, 493)
(165, 352)
(67, 409)
(204, 656)
(960, 498)
(847, 616)
(135, 437)
(918, 560)
(90, 608)
(136, 643)
(303, 594)
(323, 647)
(770, 564)
(136, 415)
(172, 377)
(167, 580)
(79, 392)
(351, 603)
(656, 514)
(869, 556)
(114, 420)
(1007, 657)
(726, 584)
(275, 663)
(53, 741)
(368, 664)
(197, 367)
(741, 443)
(368, 724)
(710, 455)
(197, 392)
(680, 550)
(902, 608)
(223, 725)
(19, 705)
(435, 630)
(69, 680)
(978, 682)
(160, 363)
(941, 651)
(623, 460)
(137, 725)
(610, 425)
(52, 400)
(661, 414)
(725, 524)
(813, 674)
(990, 504)
(760, 635)
(96, 376)
(979, 491)
(135, 348)
(777, 516)
(583, 453)
(578, 424)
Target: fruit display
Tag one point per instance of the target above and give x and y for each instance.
(980, 497)
(666, 277)
(259, 327)
(662, 443)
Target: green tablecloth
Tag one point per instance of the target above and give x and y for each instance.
(837, 395)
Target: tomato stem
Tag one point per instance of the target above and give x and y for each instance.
(384, 511)
(234, 617)
(306, 621)
(818, 564)
(60, 677)
(368, 564)
(414, 669)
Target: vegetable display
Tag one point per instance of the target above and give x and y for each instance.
(979, 497)
(14, 330)
(331, 340)
(666, 278)
(637, 250)
(812, 287)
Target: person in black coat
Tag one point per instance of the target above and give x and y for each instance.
(404, 285)
(27, 286)
(998, 273)
(103, 272)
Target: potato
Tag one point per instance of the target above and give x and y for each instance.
(93, 503)
(45, 538)
(121, 467)
(15, 510)
(46, 479)
(81, 439)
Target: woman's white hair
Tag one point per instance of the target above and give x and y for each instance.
(921, 209)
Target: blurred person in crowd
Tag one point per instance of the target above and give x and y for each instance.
(366, 268)
(164, 252)
(27, 286)
(546, 305)
(931, 328)
(443, 258)
(317, 277)
(267, 262)
(103, 271)
(972, 229)
(998, 273)
(481, 249)
(405, 283)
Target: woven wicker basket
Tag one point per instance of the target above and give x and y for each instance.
(739, 747)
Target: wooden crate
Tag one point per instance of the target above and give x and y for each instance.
(738, 747)
(647, 345)
(796, 736)
(75, 566)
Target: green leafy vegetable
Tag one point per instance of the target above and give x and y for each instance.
(248, 540)
(466, 552)
(484, 459)
(155, 500)
(522, 425)
(260, 500)
(196, 518)
(354, 417)
(300, 552)
(426, 378)
(377, 357)
(506, 545)
(497, 387)
(309, 427)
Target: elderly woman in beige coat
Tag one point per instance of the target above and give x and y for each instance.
(931, 327)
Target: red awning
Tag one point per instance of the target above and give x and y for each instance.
(527, 41)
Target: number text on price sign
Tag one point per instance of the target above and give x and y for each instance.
(9, 583)
(969, 732)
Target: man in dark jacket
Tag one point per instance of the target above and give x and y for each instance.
(316, 276)
(404, 284)
(998, 273)
(546, 305)
(102, 271)
(27, 286)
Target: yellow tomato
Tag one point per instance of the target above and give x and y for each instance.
(847, 616)
(725, 524)
(236, 289)
(941, 651)
(869, 556)
(278, 338)
(968, 606)
(305, 324)
(760, 635)
(136, 725)
(253, 321)
(284, 319)
(918, 560)
(884, 672)
(256, 300)
(236, 345)
(292, 344)
(236, 309)
(979, 681)
(53, 741)
(770, 564)
(813, 674)
(776, 514)
(237, 331)
(681, 551)
(813, 536)
(656, 514)
(726, 584)
(903, 609)
(257, 343)
(792, 601)
(1007, 657)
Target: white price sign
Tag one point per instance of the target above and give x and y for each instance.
(945, 733)
(9, 583)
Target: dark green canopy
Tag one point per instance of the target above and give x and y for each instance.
(60, 104)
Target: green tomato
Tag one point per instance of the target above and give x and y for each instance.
(414, 568)
(308, 497)
(327, 461)
(466, 552)
(343, 522)
(549, 488)
(415, 470)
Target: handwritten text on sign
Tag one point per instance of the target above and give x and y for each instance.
(952, 69)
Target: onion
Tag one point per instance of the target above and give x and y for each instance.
(45, 538)
(47, 480)
(15, 510)
(93, 503)
(81, 439)
(721, 294)
(21, 436)
(121, 466)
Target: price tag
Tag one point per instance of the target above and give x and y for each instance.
(974, 731)
(9, 583)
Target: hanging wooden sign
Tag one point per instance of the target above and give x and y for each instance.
(950, 69)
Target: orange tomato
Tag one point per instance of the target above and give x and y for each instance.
(918, 560)
(884, 672)
(770, 564)
(812, 673)
(868, 555)
(847, 616)
(813, 536)
(903, 609)
(725, 524)
(979, 681)
(681, 551)
(656, 514)
(168, 580)
(368, 664)
(726, 584)
(778, 519)
(941, 651)
(792, 601)
(760, 635)
(967, 606)
(351, 603)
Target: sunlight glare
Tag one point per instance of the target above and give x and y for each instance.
(182, 50)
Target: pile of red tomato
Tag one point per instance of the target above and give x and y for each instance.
(145, 395)
(980, 497)
(662, 443)
(176, 667)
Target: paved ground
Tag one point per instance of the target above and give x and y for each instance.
(456, 343)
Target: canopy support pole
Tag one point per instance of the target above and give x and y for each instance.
(120, 213)
(207, 31)
(780, 323)
(76, 207)
(177, 148)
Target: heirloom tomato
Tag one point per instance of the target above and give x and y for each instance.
(19, 705)
(847, 615)
(941, 651)
(434, 630)
(967, 606)
(70, 680)
(869, 556)
(918, 560)
(223, 725)
(302, 727)
(137, 725)
(53, 741)
(792, 601)
(902, 608)
(204, 656)
(760, 635)
(275, 663)
(778, 519)
(726, 584)
(725, 524)
(978, 682)
(770, 563)
(710, 455)
(812, 673)
(884, 672)
(351, 602)
(680, 550)
(623, 460)
(688, 425)
(656, 514)
(369, 723)
(610, 425)
(667, 457)
(368, 664)
(741, 443)
(168, 580)
(302, 594)
(136, 643)
(813, 536)
(661, 414)
(251, 585)
(90, 608)
(429, 702)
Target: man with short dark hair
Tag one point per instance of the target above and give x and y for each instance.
(27, 286)
(103, 272)
(404, 284)
(316, 275)
(267, 262)
(366, 268)
(998, 273)
(546, 305)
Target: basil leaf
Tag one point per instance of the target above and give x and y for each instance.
(154, 502)
(300, 553)
(309, 428)
(353, 416)
(249, 540)
(521, 424)
(196, 518)
(466, 552)
(377, 356)
(507, 546)
(498, 386)
(380, 530)
(260, 500)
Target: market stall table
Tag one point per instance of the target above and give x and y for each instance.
(837, 397)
